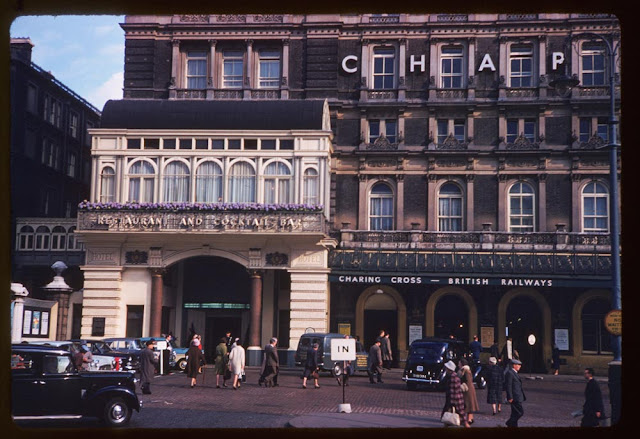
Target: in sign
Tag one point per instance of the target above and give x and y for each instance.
(343, 349)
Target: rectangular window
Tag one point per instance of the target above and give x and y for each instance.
(234, 144)
(217, 143)
(286, 144)
(603, 129)
(97, 327)
(250, 144)
(386, 127)
(268, 144)
(32, 98)
(186, 143)
(512, 130)
(451, 126)
(71, 165)
(232, 68)
(451, 62)
(202, 143)
(73, 124)
(516, 127)
(269, 68)
(585, 129)
(197, 69)
(151, 143)
(134, 143)
(384, 62)
(521, 66)
(530, 130)
(49, 153)
(593, 64)
(168, 143)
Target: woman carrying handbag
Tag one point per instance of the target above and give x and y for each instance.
(454, 398)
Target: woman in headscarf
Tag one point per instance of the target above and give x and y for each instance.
(470, 400)
(495, 385)
(195, 360)
(454, 396)
(222, 360)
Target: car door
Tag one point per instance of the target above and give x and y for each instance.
(61, 392)
(26, 385)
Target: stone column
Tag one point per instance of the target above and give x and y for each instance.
(309, 304)
(63, 314)
(156, 302)
(254, 350)
(175, 60)
(19, 292)
(248, 79)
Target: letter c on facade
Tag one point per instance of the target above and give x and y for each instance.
(344, 63)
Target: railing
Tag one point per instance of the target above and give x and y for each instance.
(379, 95)
(227, 94)
(190, 94)
(452, 18)
(265, 94)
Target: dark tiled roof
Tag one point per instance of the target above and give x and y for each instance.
(213, 115)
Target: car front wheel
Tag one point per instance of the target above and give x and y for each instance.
(116, 412)
(336, 370)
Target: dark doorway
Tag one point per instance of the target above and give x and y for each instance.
(76, 321)
(451, 318)
(376, 320)
(215, 328)
(523, 319)
(134, 320)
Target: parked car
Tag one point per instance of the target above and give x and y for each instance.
(45, 384)
(324, 353)
(100, 362)
(426, 359)
(126, 361)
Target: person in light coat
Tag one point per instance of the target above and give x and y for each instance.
(236, 363)
(470, 399)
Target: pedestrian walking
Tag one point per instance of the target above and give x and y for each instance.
(593, 407)
(311, 367)
(495, 385)
(148, 364)
(221, 362)
(475, 347)
(454, 397)
(271, 363)
(375, 362)
(195, 361)
(387, 356)
(515, 393)
(237, 363)
(555, 359)
(470, 399)
(230, 340)
(494, 350)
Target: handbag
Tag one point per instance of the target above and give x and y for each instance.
(315, 375)
(244, 377)
(451, 417)
(464, 387)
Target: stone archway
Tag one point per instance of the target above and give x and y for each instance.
(401, 329)
(439, 294)
(576, 317)
(545, 310)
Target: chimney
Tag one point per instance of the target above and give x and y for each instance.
(21, 49)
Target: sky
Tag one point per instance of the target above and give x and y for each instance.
(85, 53)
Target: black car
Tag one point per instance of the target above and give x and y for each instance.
(125, 361)
(45, 384)
(426, 359)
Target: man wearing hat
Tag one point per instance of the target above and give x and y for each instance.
(148, 364)
(375, 362)
(515, 394)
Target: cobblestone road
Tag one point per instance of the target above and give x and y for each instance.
(174, 404)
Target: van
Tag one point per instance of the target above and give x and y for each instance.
(324, 353)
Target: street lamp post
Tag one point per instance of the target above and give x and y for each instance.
(616, 291)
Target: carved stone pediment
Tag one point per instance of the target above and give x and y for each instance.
(594, 142)
(522, 142)
(452, 143)
(382, 144)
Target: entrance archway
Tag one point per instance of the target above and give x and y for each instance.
(386, 310)
(525, 312)
(459, 308)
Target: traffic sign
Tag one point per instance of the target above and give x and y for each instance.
(343, 349)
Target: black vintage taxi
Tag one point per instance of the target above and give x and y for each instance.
(426, 359)
(45, 384)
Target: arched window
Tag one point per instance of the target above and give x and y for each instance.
(107, 185)
(242, 183)
(310, 182)
(25, 238)
(595, 208)
(43, 235)
(381, 207)
(176, 181)
(142, 181)
(595, 338)
(58, 238)
(521, 208)
(277, 183)
(209, 183)
(450, 208)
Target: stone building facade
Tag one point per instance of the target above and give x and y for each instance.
(465, 194)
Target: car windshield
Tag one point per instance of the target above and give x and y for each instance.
(431, 351)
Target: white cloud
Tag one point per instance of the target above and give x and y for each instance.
(105, 29)
(111, 89)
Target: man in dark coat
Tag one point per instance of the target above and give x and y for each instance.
(475, 347)
(375, 362)
(148, 364)
(272, 363)
(593, 408)
(515, 394)
(311, 366)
